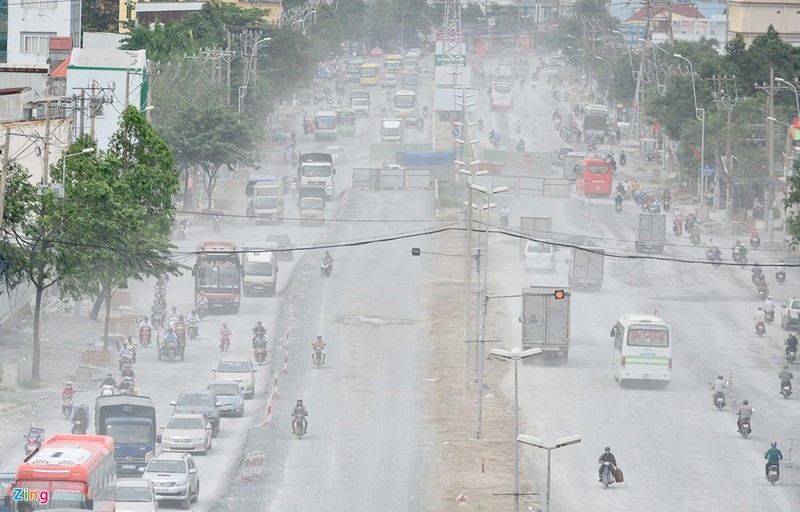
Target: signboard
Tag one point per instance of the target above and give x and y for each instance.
(455, 132)
(450, 60)
(708, 169)
(449, 76)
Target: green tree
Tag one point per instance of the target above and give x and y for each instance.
(791, 203)
(99, 16)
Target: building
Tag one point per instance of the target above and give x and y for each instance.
(102, 41)
(31, 24)
(105, 82)
(164, 12)
(27, 146)
(752, 18)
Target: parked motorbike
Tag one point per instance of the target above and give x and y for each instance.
(761, 329)
(780, 276)
(299, 427)
(607, 474)
(191, 329)
(260, 353)
(745, 429)
(66, 405)
(786, 389)
(755, 242)
(317, 357)
(773, 477)
(326, 268)
(225, 342)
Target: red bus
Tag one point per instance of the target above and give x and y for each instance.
(68, 471)
(594, 178)
(218, 273)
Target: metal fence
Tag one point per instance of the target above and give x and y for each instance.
(365, 178)
(524, 185)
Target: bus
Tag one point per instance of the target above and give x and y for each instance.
(502, 96)
(370, 74)
(346, 122)
(325, 125)
(68, 471)
(642, 348)
(405, 102)
(594, 177)
(393, 64)
(218, 273)
(595, 109)
(353, 70)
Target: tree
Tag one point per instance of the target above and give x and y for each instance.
(791, 203)
(99, 16)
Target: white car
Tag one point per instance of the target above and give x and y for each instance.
(186, 433)
(136, 495)
(237, 369)
(540, 256)
(790, 314)
(338, 153)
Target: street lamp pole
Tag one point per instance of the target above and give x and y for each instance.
(700, 113)
(794, 90)
(538, 443)
(85, 151)
(515, 355)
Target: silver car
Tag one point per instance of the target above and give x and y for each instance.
(174, 477)
(230, 396)
(239, 370)
(186, 433)
(136, 495)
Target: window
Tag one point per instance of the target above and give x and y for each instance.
(36, 43)
(645, 337)
(39, 4)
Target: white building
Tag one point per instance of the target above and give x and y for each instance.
(31, 24)
(99, 80)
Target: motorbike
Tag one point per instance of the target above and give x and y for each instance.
(607, 474)
(326, 268)
(719, 400)
(260, 353)
(217, 224)
(755, 242)
(773, 477)
(158, 319)
(769, 316)
(79, 426)
(791, 355)
(745, 429)
(740, 257)
(504, 220)
(761, 329)
(168, 350)
(480, 125)
(225, 342)
(107, 390)
(299, 427)
(780, 276)
(317, 357)
(618, 207)
(763, 293)
(202, 310)
(144, 336)
(677, 228)
(695, 239)
(33, 440)
(714, 258)
(66, 405)
(518, 127)
(191, 329)
(125, 360)
(623, 159)
(126, 385)
(666, 203)
(786, 389)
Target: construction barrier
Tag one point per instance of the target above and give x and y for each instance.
(252, 465)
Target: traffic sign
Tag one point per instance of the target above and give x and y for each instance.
(455, 132)
(708, 169)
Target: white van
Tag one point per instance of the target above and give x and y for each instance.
(392, 131)
(260, 272)
(540, 257)
(642, 348)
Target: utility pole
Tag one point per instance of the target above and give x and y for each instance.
(724, 99)
(228, 88)
(771, 158)
(46, 156)
(4, 175)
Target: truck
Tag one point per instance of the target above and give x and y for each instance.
(651, 232)
(268, 204)
(595, 126)
(311, 203)
(545, 320)
(572, 164)
(359, 102)
(586, 268)
(392, 131)
(260, 270)
(131, 422)
(317, 169)
(535, 227)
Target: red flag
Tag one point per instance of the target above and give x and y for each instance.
(695, 152)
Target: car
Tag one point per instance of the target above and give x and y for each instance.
(230, 396)
(540, 256)
(790, 313)
(389, 81)
(411, 119)
(560, 153)
(376, 52)
(175, 477)
(186, 433)
(338, 153)
(200, 402)
(284, 243)
(237, 369)
(136, 495)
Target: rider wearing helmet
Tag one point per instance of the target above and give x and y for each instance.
(320, 344)
(259, 331)
(718, 387)
(68, 391)
(786, 376)
(774, 458)
(606, 456)
(745, 412)
(109, 381)
(300, 412)
(791, 343)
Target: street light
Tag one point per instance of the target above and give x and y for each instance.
(84, 151)
(700, 113)
(482, 335)
(515, 355)
(794, 90)
(538, 443)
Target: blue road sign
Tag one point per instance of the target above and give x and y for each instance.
(708, 169)
(455, 132)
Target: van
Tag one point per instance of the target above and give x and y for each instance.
(540, 257)
(260, 272)
(392, 131)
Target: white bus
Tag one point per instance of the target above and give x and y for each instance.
(405, 102)
(325, 125)
(642, 348)
(502, 96)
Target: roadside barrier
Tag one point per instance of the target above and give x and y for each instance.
(252, 465)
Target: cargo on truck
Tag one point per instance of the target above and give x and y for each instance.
(651, 232)
(131, 422)
(359, 102)
(260, 270)
(317, 169)
(311, 203)
(532, 227)
(545, 320)
(586, 267)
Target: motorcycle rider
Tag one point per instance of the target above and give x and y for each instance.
(327, 260)
(786, 377)
(623, 158)
(300, 412)
(619, 199)
(769, 308)
(620, 188)
(145, 324)
(201, 301)
(606, 456)
(128, 372)
(260, 340)
(791, 343)
(193, 318)
(34, 431)
(173, 315)
(761, 284)
(170, 336)
(320, 344)
(480, 124)
(259, 331)
(718, 387)
(738, 250)
(695, 233)
(756, 272)
(80, 418)
(760, 317)
(774, 458)
(714, 253)
(521, 145)
(68, 391)
(745, 412)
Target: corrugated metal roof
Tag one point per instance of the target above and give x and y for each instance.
(61, 43)
(61, 70)
(11, 91)
(108, 59)
(24, 68)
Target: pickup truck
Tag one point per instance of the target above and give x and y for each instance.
(790, 313)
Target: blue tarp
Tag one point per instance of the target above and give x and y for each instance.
(424, 159)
